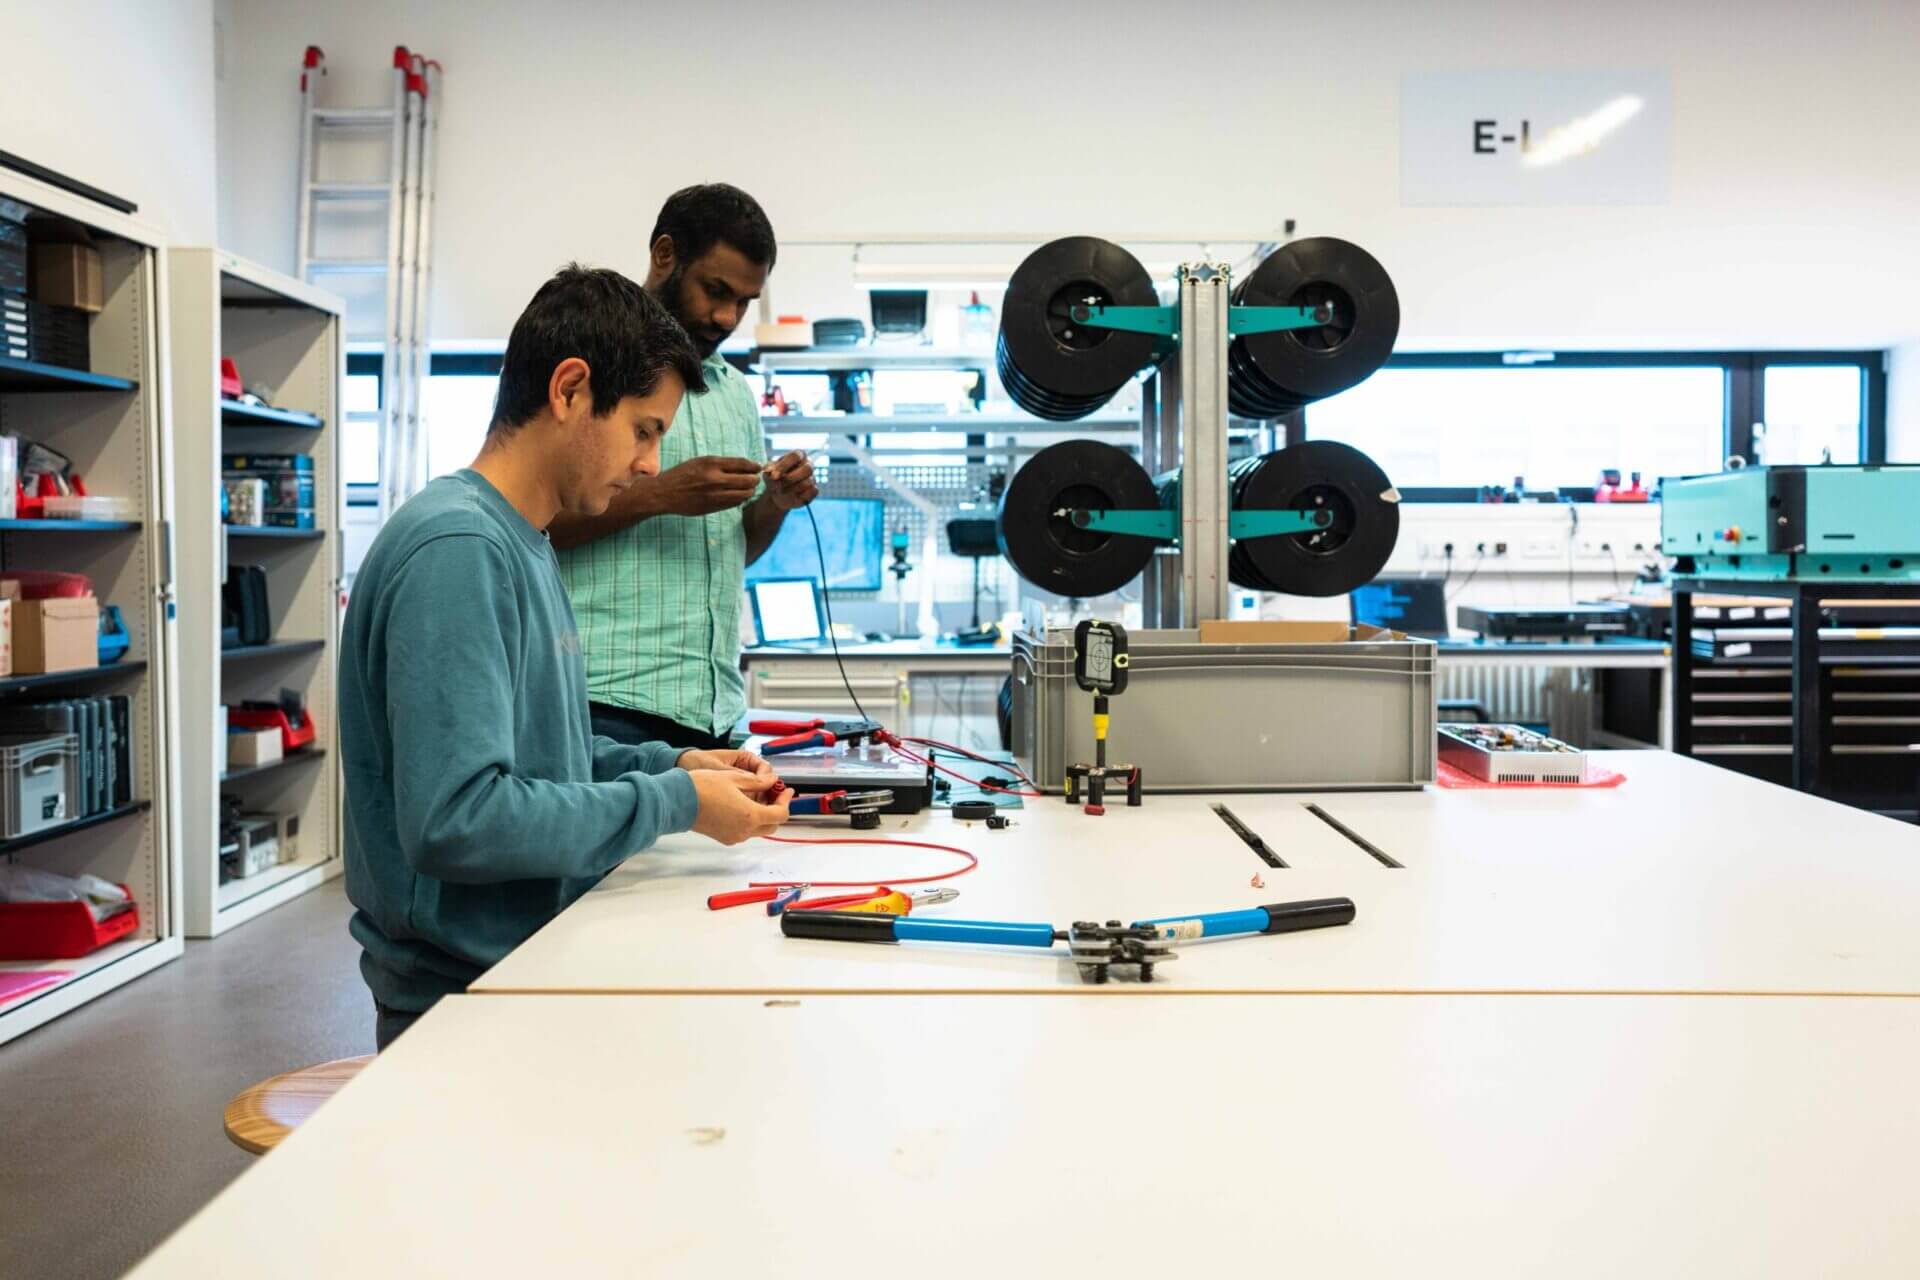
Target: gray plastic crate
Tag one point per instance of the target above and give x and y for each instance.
(39, 782)
(1353, 715)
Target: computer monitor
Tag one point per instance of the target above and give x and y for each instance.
(1417, 606)
(853, 534)
(787, 610)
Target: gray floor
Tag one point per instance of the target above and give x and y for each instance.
(110, 1131)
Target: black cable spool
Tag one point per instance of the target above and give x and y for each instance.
(1314, 475)
(1284, 370)
(1052, 365)
(1046, 548)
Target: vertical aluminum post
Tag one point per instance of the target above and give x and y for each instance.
(1204, 588)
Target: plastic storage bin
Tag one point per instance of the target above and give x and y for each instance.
(59, 930)
(39, 781)
(1338, 715)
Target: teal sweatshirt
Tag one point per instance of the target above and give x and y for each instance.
(479, 801)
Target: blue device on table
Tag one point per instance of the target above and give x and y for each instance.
(1779, 524)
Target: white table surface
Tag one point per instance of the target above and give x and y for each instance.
(1581, 1138)
(1687, 878)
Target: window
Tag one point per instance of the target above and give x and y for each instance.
(1451, 424)
(1811, 413)
(360, 429)
(458, 408)
(1551, 426)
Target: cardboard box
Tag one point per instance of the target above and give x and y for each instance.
(1291, 633)
(6, 637)
(253, 746)
(55, 635)
(69, 275)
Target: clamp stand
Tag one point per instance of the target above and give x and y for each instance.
(1099, 771)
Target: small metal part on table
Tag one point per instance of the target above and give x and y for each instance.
(1510, 753)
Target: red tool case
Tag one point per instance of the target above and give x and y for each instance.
(291, 739)
(59, 930)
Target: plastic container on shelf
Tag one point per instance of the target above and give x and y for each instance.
(60, 930)
(39, 782)
(291, 739)
(92, 507)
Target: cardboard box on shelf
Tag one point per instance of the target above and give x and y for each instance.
(252, 746)
(69, 275)
(6, 636)
(61, 634)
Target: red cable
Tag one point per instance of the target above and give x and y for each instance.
(972, 862)
(972, 782)
(973, 755)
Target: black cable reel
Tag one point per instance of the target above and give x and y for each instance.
(1315, 475)
(1053, 366)
(1037, 533)
(1270, 375)
(1046, 547)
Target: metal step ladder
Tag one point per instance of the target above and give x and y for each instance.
(410, 122)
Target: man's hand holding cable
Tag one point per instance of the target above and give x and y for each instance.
(734, 805)
(790, 484)
(745, 761)
(700, 486)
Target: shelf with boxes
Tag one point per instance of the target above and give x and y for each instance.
(258, 360)
(87, 707)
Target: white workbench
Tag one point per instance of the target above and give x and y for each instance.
(1687, 878)
(1585, 1138)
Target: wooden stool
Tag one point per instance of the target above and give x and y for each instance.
(259, 1118)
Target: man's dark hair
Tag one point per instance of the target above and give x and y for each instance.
(626, 337)
(698, 217)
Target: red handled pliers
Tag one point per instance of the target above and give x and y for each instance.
(803, 735)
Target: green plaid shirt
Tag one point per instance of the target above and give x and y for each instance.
(658, 604)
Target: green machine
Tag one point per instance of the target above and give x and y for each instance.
(1788, 524)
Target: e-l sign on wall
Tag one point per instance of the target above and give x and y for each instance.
(1535, 137)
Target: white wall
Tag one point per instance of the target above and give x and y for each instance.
(118, 94)
(1790, 220)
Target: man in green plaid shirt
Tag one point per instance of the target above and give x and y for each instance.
(658, 581)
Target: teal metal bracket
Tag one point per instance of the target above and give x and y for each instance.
(1161, 322)
(1164, 322)
(1158, 524)
(1164, 526)
(1276, 319)
(1273, 524)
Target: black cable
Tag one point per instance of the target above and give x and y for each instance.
(826, 599)
(1466, 582)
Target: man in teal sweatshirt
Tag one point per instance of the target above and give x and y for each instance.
(479, 801)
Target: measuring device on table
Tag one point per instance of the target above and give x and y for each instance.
(1100, 668)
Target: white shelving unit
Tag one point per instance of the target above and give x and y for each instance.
(285, 335)
(113, 423)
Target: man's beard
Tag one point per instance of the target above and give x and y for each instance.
(673, 297)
